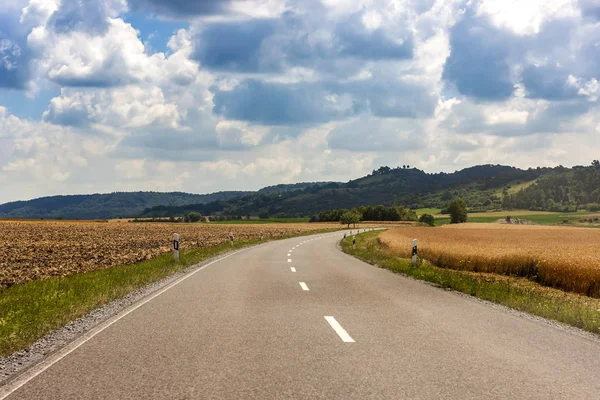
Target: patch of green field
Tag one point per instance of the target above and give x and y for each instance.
(432, 211)
(515, 187)
(517, 293)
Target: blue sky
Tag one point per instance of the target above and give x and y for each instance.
(201, 96)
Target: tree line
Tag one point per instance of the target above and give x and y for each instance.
(367, 213)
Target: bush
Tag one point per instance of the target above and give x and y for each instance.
(193, 216)
(427, 219)
(457, 209)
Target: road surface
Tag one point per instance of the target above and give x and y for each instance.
(298, 319)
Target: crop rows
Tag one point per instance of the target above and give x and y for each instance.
(561, 257)
(43, 249)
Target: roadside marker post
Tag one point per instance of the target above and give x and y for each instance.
(354, 242)
(414, 252)
(231, 238)
(176, 247)
(261, 236)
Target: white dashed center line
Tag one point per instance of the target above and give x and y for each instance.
(289, 254)
(289, 260)
(339, 330)
(303, 286)
(293, 269)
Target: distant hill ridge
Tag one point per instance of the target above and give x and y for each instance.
(104, 206)
(483, 187)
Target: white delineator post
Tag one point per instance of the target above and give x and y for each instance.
(414, 252)
(231, 238)
(176, 247)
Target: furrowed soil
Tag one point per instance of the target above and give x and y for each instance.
(31, 250)
(565, 258)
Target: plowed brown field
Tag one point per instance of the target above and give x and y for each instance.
(562, 257)
(42, 249)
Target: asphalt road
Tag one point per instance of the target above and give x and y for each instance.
(246, 327)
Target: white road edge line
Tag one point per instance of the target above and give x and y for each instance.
(36, 370)
(339, 330)
(293, 269)
(303, 286)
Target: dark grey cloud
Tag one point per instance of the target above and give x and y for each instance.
(387, 98)
(479, 62)
(310, 103)
(547, 82)
(180, 8)
(272, 45)
(279, 104)
(235, 46)
(590, 8)
(353, 39)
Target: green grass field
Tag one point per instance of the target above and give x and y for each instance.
(537, 217)
(432, 211)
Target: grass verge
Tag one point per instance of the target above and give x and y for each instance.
(516, 293)
(34, 309)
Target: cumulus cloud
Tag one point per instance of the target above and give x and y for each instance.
(480, 59)
(252, 93)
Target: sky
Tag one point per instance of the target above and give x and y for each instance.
(100, 96)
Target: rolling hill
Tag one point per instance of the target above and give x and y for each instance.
(413, 188)
(483, 187)
(103, 206)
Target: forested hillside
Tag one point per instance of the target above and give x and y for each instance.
(562, 189)
(482, 187)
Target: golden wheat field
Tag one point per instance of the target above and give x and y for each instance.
(42, 249)
(566, 258)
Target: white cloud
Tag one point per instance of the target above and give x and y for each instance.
(526, 17)
(129, 118)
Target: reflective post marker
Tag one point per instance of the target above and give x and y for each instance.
(353, 242)
(414, 253)
(176, 247)
(261, 236)
(231, 238)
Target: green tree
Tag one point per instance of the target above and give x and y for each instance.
(350, 217)
(193, 216)
(458, 211)
(427, 219)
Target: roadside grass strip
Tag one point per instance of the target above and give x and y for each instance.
(517, 293)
